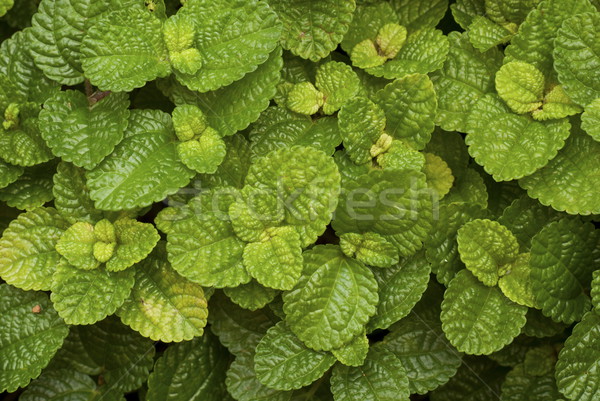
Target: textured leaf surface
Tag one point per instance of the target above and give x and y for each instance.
(282, 362)
(410, 106)
(29, 339)
(368, 19)
(85, 297)
(9, 173)
(124, 49)
(333, 300)
(521, 86)
(563, 256)
(590, 120)
(76, 245)
(338, 84)
(229, 51)
(163, 305)
(27, 255)
(312, 30)
(251, 295)
(144, 168)
(579, 361)
(486, 246)
(478, 319)
(370, 248)
(485, 34)
(82, 133)
(353, 353)
(23, 144)
(192, 370)
(72, 196)
(361, 124)
(135, 240)
(516, 282)
(381, 378)
(243, 385)
(33, 189)
(520, 385)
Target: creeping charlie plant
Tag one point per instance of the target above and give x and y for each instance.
(287, 200)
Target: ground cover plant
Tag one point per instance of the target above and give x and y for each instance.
(291, 200)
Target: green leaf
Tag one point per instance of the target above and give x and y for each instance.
(347, 294)
(522, 386)
(144, 168)
(283, 362)
(368, 19)
(575, 170)
(521, 86)
(33, 189)
(80, 132)
(85, 297)
(353, 353)
(478, 319)
(590, 120)
(338, 83)
(9, 173)
(516, 282)
(304, 98)
(312, 30)
(468, 188)
(243, 385)
(511, 146)
(251, 296)
(190, 370)
(205, 154)
(234, 107)
(276, 260)
(414, 15)
(229, 51)
(399, 156)
(279, 128)
(27, 255)
(575, 54)
(439, 175)
(124, 49)
(163, 305)
(400, 288)
(30, 338)
(577, 366)
(541, 326)
(232, 172)
(465, 11)
(306, 183)
(563, 256)
(485, 34)
(466, 75)
(76, 245)
(486, 247)
(6, 6)
(361, 124)
(595, 291)
(72, 196)
(135, 241)
(410, 105)
(381, 378)
(370, 248)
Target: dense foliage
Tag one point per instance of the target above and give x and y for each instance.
(292, 200)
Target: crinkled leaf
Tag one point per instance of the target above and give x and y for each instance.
(9, 173)
(368, 19)
(251, 295)
(400, 288)
(521, 86)
(563, 256)
(370, 248)
(144, 168)
(468, 188)
(484, 34)
(124, 49)
(232, 172)
(27, 255)
(190, 370)
(410, 105)
(381, 378)
(361, 124)
(23, 144)
(516, 282)
(163, 305)
(353, 353)
(416, 14)
(478, 319)
(76, 245)
(465, 11)
(30, 339)
(541, 326)
(135, 241)
(590, 120)
(81, 132)
(439, 175)
(85, 297)
(399, 156)
(32, 189)
(349, 171)
(72, 196)
(313, 29)
(347, 294)
(485, 247)
(578, 362)
(522, 386)
(338, 83)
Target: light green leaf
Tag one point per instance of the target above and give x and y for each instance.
(410, 105)
(381, 378)
(557, 104)
(205, 154)
(521, 86)
(338, 83)
(283, 362)
(465, 11)
(450, 146)
(511, 146)
(278, 128)
(243, 385)
(370, 248)
(400, 156)
(251, 296)
(347, 293)
(400, 288)
(578, 362)
(349, 171)
(485, 34)
(135, 241)
(466, 75)
(234, 107)
(76, 245)
(576, 171)
(415, 15)
(486, 247)
(30, 338)
(563, 256)
(6, 6)
(190, 370)
(469, 188)
(124, 49)
(9, 173)
(144, 168)
(590, 120)
(522, 386)
(72, 196)
(576, 50)
(276, 260)
(509, 13)
(368, 19)
(478, 319)
(353, 353)
(312, 30)
(229, 51)
(82, 132)
(439, 175)
(85, 297)
(304, 98)
(232, 172)
(306, 182)
(516, 282)
(33, 189)
(27, 256)
(361, 124)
